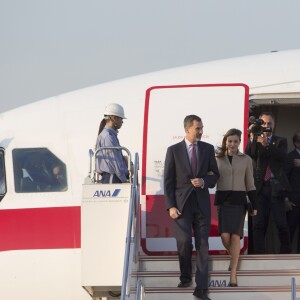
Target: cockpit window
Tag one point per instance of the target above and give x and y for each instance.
(3, 188)
(38, 170)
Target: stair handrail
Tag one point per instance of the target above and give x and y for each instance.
(140, 291)
(93, 156)
(133, 211)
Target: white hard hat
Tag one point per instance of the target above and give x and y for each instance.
(114, 109)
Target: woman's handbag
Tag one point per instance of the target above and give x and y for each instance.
(249, 207)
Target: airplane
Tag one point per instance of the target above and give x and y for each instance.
(40, 215)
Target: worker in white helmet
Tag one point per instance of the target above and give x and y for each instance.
(111, 163)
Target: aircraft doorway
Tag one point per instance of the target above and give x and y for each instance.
(286, 110)
(221, 106)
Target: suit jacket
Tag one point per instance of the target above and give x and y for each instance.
(236, 180)
(293, 174)
(235, 176)
(178, 175)
(274, 155)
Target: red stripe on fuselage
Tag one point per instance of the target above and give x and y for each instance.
(40, 228)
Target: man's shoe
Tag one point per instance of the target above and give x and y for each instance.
(184, 284)
(201, 294)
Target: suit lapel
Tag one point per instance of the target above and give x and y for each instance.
(185, 158)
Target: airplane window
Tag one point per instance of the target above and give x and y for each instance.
(2, 175)
(38, 170)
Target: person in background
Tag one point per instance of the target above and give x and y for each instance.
(190, 169)
(293, 174)
(59, 178)
(235, 183)
(269, 154)
(2, 177)
(110, 163)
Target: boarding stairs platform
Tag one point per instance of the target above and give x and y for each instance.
(114, 265)
(260, 277)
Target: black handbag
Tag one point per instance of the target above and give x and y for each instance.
(249, 207)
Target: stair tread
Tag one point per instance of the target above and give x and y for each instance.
(239, 272)
(226, 257)
(283, 288)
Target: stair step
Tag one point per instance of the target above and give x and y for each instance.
(260, 277)
(228, 293)
(221, 279)
(221, 262)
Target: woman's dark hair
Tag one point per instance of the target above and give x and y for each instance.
(221, 151)
(102, 125)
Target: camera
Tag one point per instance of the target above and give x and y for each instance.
(257, 128)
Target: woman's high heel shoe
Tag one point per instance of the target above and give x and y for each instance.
(233, 284)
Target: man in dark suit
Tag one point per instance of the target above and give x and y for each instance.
(269, 154)
(293, 173)
(190, 169)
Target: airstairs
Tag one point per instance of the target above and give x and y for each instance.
(115, 267)
(260, 277)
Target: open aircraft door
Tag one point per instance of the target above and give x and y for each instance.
(221, 107)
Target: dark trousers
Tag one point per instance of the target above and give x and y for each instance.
(193, 218)
(293, 219)
(269, 204)
(110, 178)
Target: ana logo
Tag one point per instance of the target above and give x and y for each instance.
(218, 283)
(107, 193)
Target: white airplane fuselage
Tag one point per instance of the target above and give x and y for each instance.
(40, 255)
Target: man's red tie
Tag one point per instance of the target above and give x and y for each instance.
(268, 170)
(194, 160)
(267, 174)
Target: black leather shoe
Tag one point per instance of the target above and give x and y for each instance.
(184, 284)
(201, 294)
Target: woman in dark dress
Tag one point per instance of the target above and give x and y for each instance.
(235, 183)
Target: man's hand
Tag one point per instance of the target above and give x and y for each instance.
(288, 204)
(198, 182)
(263, 140)
(297, 162)
(254, 213)
(174, 213)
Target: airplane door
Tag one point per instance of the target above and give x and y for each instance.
(221, 107)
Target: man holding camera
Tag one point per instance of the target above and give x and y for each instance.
(269, 154)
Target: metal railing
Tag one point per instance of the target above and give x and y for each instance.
(140, 291)
(93, 157)
(294, 289)
(132, 236)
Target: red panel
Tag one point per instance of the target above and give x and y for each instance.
(158, 222)
(40, 228)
